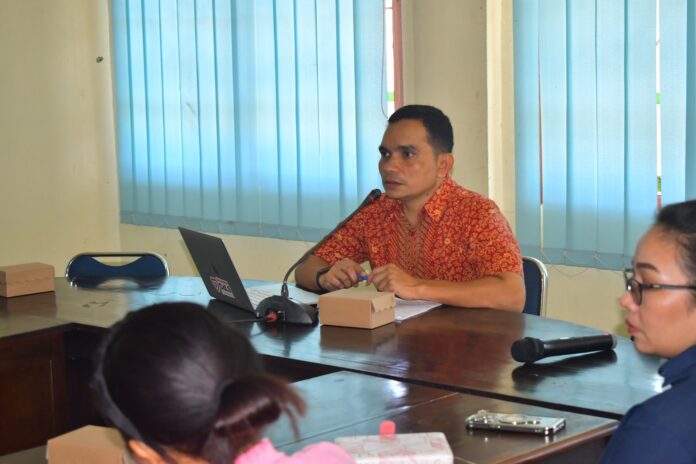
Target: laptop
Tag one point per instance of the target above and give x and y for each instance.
(220, 277)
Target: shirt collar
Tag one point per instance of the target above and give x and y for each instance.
(436, 205)
(680, 367)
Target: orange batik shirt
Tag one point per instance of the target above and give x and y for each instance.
(461, 236)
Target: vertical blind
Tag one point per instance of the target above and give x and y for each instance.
(246, 117)
(586, 125)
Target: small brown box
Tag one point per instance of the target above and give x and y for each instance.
(25, 279)
(91, 444)
(352, 307)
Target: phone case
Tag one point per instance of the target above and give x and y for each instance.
(515, 422)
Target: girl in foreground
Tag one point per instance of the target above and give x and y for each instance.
(183, 388)
(660, 301)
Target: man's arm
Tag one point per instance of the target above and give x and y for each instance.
(343, 274)
(501, 291)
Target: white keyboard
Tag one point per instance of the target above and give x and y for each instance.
(256, 294)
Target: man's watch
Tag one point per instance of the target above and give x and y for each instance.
(320, 273)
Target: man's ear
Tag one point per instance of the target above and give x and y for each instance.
(445, 161)
(144, 453)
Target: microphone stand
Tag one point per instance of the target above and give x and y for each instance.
(371, 198)
(285, 308)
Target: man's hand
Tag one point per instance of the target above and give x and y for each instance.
(391, 278)
(500, 291)
(343, 274)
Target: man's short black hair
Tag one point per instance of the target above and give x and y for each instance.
(436, 124)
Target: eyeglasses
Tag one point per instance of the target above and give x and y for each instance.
(635, 288)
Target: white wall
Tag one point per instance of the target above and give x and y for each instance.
(58, 183)
(256, 258)
(445, 65)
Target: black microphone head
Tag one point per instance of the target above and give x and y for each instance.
(527, 350)
(371, 197)
(375, 194)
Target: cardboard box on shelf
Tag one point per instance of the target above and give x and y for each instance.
(25, 279)
(352, 307)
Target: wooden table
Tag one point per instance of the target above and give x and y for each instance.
(462, 350)
(468, 350)
(347, 404)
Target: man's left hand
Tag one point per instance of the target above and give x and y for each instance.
(391, 278)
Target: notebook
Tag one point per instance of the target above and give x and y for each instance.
(220, 277)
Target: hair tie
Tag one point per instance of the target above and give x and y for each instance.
(111, 409)
(220, 390)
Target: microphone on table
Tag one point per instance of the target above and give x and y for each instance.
(293, 311)
(530, 349)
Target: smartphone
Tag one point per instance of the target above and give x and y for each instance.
(515, 422)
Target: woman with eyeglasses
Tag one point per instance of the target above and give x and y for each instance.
(660, 301)
(183, 388)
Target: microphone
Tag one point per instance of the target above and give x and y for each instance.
(293, 311)
(371, 197)
(530, 349)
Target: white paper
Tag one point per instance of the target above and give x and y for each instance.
(405, 309)
(410, 308)
(406, 448)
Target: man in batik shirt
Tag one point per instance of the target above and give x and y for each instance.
(427, 238)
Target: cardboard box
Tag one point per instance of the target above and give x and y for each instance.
(379, 339)
(352, 307)
(96, 445)
(25, 279)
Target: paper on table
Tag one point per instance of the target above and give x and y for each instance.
(410, 308)
(296, 293)
(405, 309)
(429, 447)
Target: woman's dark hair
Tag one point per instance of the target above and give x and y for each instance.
(436, 124)
(679, 220)
(175, 377)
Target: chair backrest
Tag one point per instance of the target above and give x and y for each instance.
(142, 265)
(536, 280)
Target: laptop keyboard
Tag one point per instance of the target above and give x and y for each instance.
(256, 294)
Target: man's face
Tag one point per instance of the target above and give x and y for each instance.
(410, 169)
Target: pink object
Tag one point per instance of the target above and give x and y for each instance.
(320, 453)
(387, 427)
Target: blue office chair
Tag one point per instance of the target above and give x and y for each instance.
(536, 280)
(143, 265)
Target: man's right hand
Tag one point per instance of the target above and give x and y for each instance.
(314, 271)
(343, 274)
